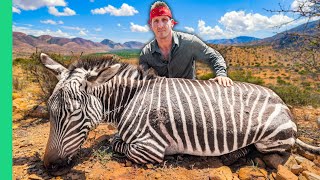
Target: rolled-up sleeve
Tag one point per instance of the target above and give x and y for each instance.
(209, 55)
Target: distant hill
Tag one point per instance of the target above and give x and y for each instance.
(236, 40)
(24, 45)
(292, 38)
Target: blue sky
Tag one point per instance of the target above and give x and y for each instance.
(126, 20)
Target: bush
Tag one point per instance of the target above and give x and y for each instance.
(205, 76)
(36, 72)
(295, 96)
(245, 76)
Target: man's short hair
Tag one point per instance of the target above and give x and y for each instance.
(159, 4)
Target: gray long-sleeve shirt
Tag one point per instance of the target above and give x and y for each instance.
(186, 48)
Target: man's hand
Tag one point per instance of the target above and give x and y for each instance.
(223, 81)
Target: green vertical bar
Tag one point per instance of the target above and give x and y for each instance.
(6, 89)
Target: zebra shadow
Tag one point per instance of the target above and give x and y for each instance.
(101, 151)
(36, 170)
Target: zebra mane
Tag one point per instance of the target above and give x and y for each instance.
(92, 63)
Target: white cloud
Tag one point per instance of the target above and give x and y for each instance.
(207, 30)
(66, 12)
(36, 4)
(124, 10)
(98, 29)
(138, 28)
(304, 5)
(15, 10)
(189, 29)
(37, 32)
(74, 28)
(236, 23)
(82, 33)
(239, 21)
(49, 21)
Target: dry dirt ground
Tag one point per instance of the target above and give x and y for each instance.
(95, 159)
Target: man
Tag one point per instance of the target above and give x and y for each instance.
(172, 54)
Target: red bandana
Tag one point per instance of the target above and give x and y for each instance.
(160, 11)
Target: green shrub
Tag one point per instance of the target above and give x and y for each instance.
(302, 72)
(296, 96)
(205, 76)
(245, 76)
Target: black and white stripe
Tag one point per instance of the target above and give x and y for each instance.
(156, 116)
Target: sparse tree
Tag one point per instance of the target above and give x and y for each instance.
(305, 48)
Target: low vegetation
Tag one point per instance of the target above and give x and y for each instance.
(295, 90)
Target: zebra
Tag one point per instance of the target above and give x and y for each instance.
(157, 116)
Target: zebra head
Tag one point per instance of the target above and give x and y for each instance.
(73, 111)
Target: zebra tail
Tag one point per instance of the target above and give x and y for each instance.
(313, 149)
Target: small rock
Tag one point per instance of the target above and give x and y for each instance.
(301, 159)
(310, 175)
(290, 162)
(301, 177)
(157, 175)
(318, 122)
(317, 161)
(149, 166)
(296, 169)
(272, 176)
(284, 174)
(111, 127)
(221, 173)
(306, 154)
(259, 162)
(273, 160)
(102, 138)
(128, 163)
(248, 173)
(39, 112)
(311, 168)
(235, 176)
(34, 177)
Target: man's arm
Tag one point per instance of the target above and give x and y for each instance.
(214, 59)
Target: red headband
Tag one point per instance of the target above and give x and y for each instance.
(160, 11)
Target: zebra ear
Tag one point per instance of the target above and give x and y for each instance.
(104, 75)
(52, 65)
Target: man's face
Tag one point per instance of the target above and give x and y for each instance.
(161, 26)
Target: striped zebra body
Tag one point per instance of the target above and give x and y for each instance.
(202, 118)
(158, 116)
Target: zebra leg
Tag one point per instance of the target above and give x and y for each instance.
(139, 152)
(118, 147)
(232, 157)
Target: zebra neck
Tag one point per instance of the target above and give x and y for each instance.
(116, 94)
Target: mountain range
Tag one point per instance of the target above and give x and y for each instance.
(289, 38)
(293, 38)
(236, 40)
(24, 45)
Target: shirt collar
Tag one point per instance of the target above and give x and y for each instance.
(155, 47)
